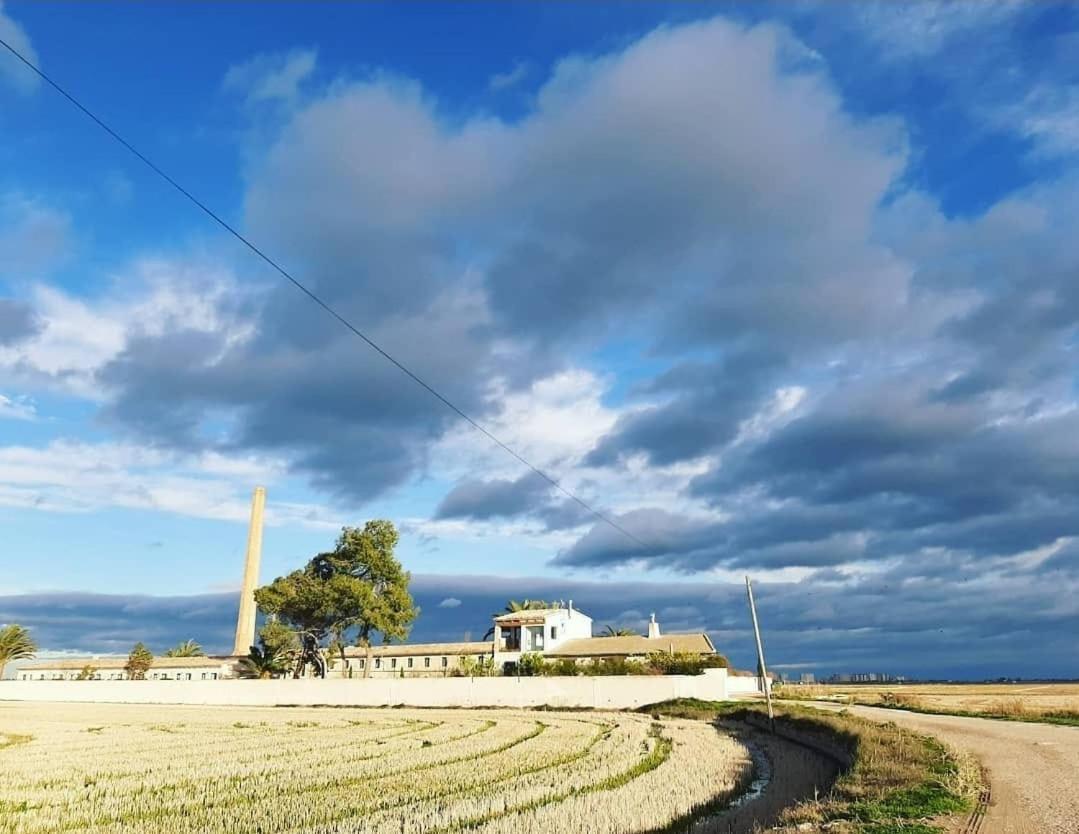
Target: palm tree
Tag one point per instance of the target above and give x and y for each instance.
(611, 631)
(261, 663)
(188, 648)
(512, 607)
(15, 644)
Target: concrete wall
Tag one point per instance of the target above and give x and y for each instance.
(591, 692)
(739, 685)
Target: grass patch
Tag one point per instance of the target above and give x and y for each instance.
(12, 739)
(898, 782)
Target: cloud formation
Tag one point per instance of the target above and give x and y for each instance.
(829, 621)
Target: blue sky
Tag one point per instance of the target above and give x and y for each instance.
(786, 289)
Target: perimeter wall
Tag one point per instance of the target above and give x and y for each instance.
(622, 692)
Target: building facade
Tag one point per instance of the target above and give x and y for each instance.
(112, 669)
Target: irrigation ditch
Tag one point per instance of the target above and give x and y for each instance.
(834, 772)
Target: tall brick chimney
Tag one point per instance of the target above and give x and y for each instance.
(245, 622)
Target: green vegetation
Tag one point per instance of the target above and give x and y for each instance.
(658, 663)
(899, 781)
(138, 662)
(15, 644)
(86, 673)
(358, 589)
(188, 648)
(262, 662)
(611, 631)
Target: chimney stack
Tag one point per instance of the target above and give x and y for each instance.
(245, 622)
(653, 628)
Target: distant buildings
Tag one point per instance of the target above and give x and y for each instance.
(866, 677)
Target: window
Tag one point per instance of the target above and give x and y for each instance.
(445, 662)
(204, 676)
(393, 663)
(213, 676)
(362, 662)
(378, 662)
(554, 632)
(410, 663)
(427, 663)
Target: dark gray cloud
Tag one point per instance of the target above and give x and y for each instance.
(530, 495)
(675, 238)
(923, 626)
(480, 500)
(707, 404)
(17, 321)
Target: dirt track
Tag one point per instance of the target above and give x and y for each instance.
(1033, 768)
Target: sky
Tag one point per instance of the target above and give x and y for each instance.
(787, 290)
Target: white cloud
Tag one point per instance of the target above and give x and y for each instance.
(17, 408)
(18, 76)
(510, 78)
(77, 336)
(922, 29)
(73, 476)
(450, 602)
(271, 78)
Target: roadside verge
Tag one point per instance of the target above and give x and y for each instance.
(891, 781)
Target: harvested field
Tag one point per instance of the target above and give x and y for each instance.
(1030, 701)
(110, 768)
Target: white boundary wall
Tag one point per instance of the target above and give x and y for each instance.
(620, 692)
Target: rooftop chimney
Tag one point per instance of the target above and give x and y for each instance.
(653, 628)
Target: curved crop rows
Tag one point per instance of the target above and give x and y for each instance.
(186, 770)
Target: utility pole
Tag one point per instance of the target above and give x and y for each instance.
(760, 655)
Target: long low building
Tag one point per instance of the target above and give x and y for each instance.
(112, 669)
(412, 659)
(562, 633)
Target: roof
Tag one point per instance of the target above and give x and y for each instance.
(418, 649)
(634, 644)
(76, 664)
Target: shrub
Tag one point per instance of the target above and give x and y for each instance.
(678, 663)
(563, 667)
(529, 665)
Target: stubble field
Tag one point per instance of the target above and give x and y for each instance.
(1033, 701)
(107, 768)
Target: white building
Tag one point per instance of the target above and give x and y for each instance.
(539, 631)
(112, 669)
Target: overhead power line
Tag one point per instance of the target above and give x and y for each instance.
(284, 273)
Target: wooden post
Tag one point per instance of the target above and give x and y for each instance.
(760, 654)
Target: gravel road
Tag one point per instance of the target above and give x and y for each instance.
(1033, 768)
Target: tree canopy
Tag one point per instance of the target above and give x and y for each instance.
(358, 589)
(138, 662)
(188, 648)
(611, 631)
(15, 644)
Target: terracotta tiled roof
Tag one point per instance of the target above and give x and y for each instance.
(419, 649)
(633, 644)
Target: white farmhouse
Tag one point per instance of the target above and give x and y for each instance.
(539, 631)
